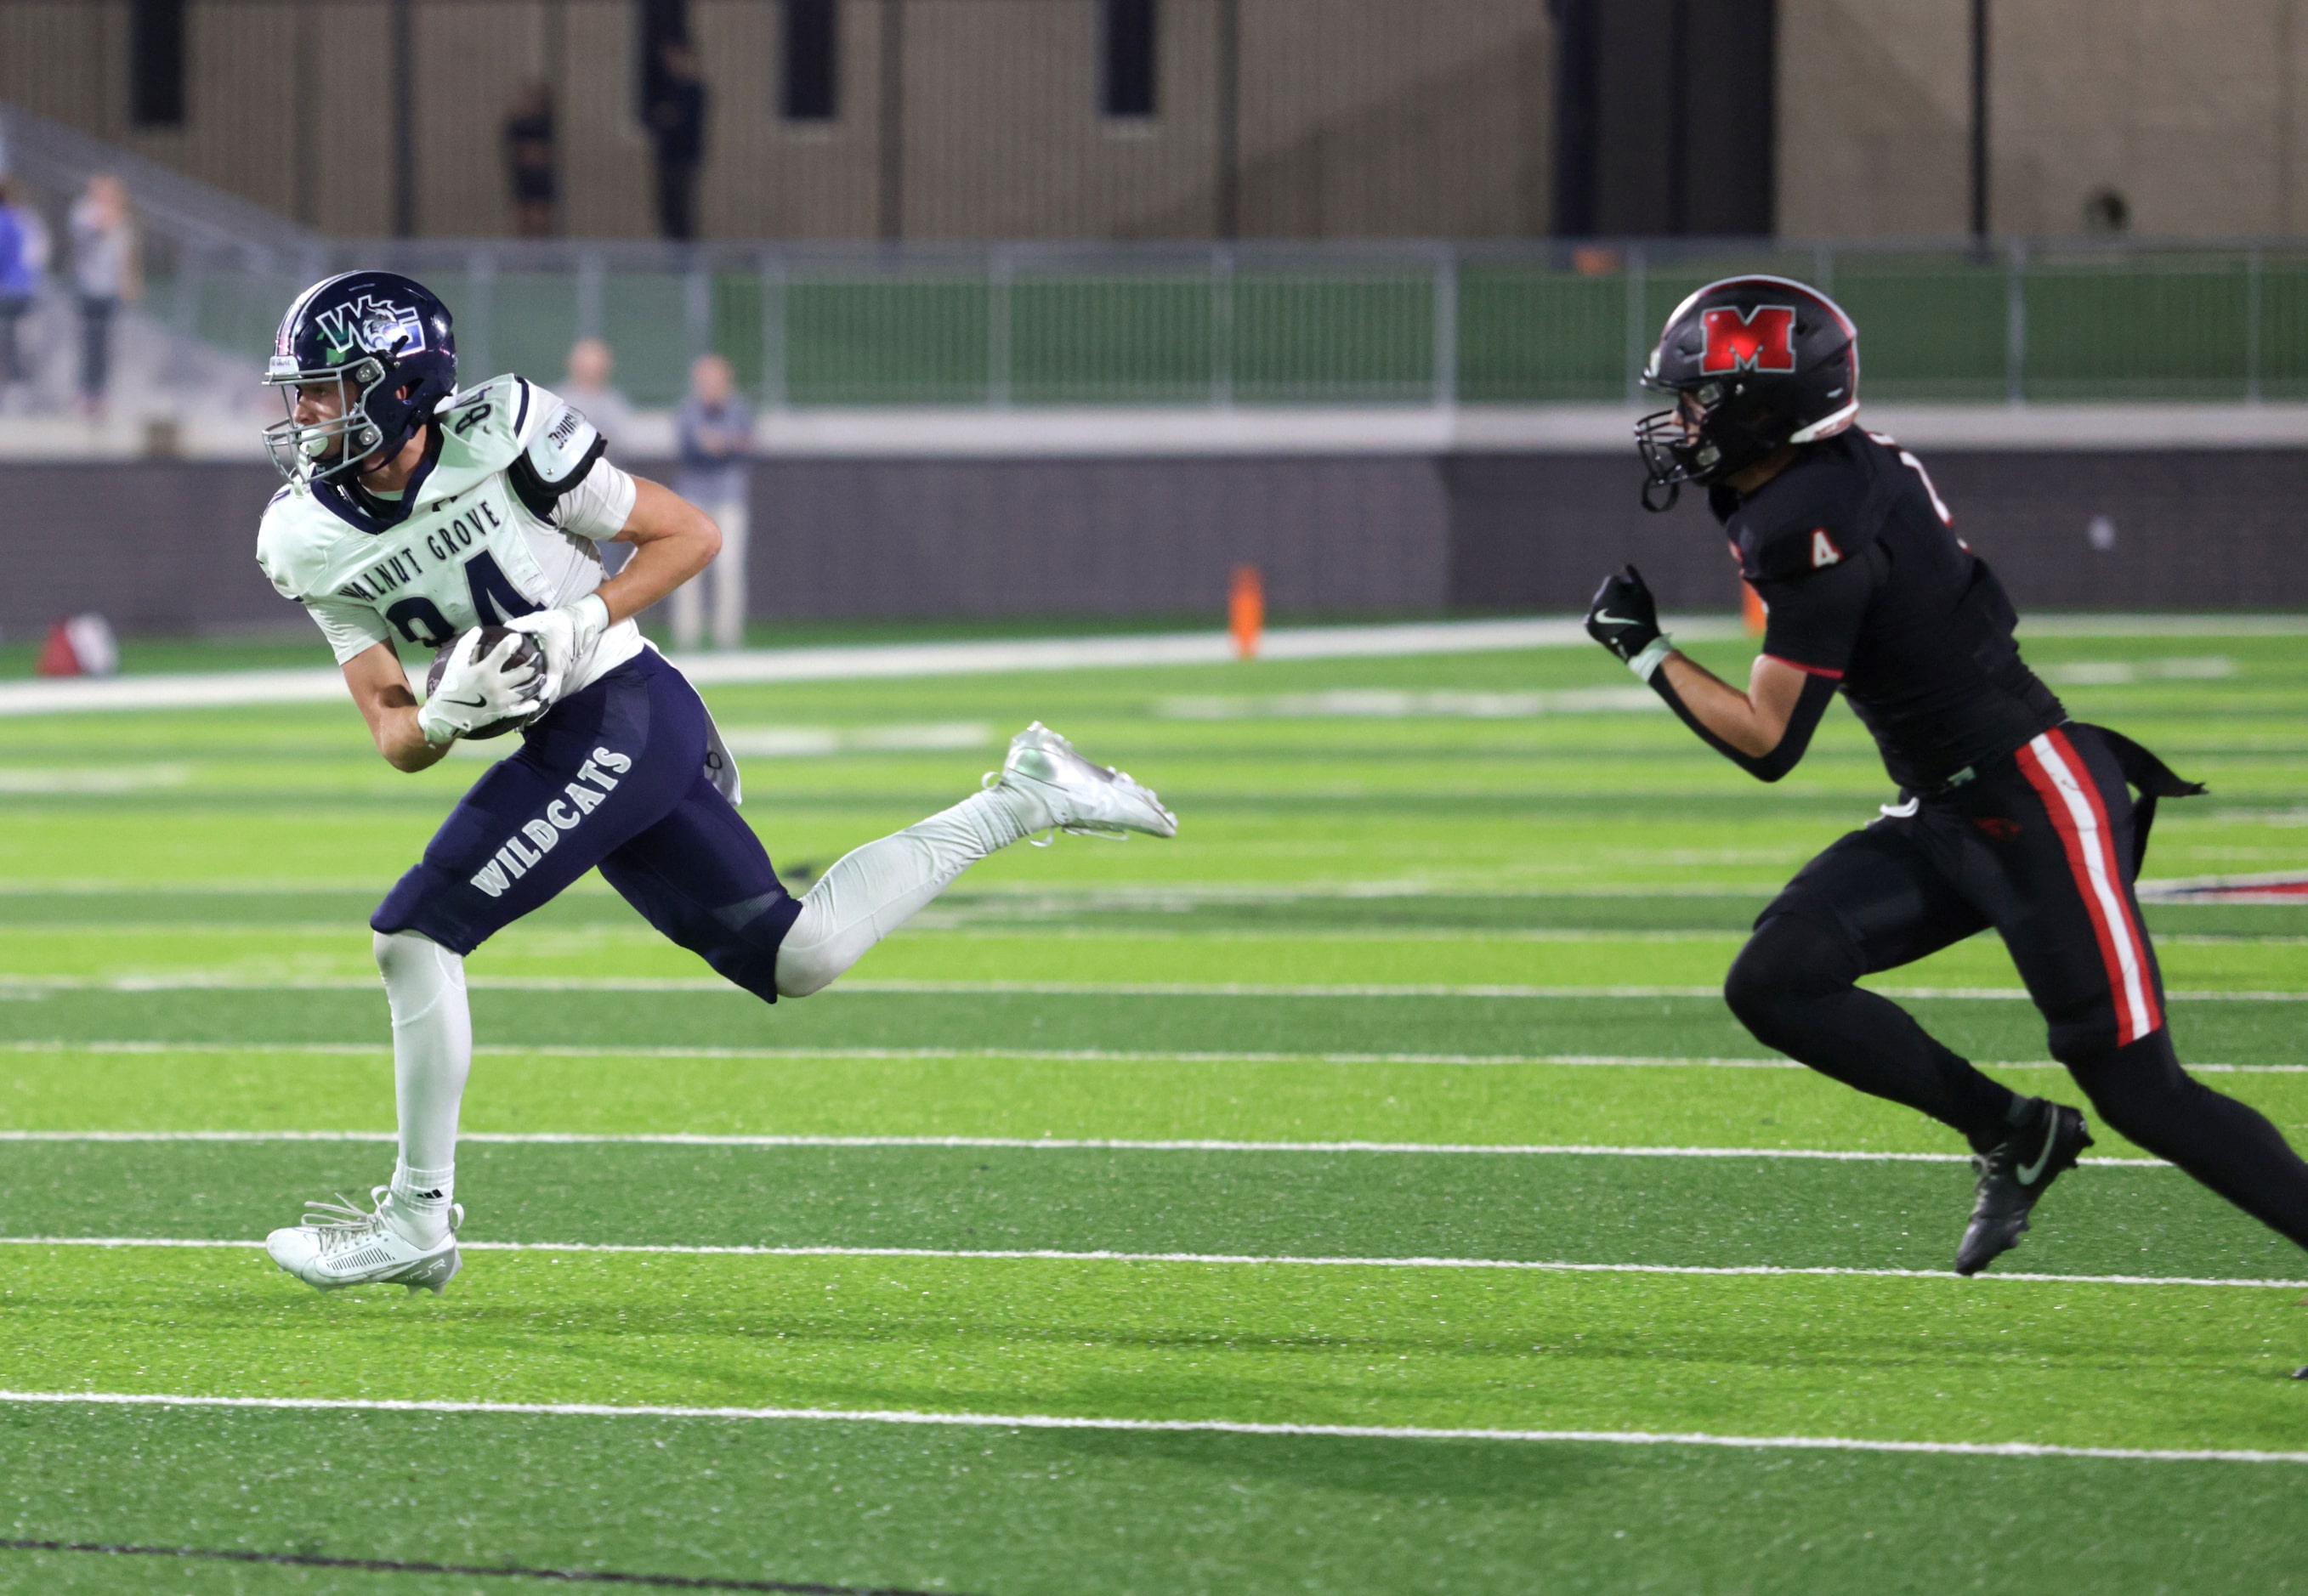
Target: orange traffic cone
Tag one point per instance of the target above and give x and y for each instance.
(1246, 610)
(1751, 609)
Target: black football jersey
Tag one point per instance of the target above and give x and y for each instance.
(1866, 584)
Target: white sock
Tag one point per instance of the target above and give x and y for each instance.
(420, 1199)
(872, 891)
(431, 1055)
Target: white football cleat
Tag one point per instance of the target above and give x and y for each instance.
(340, 1245)
(1085, 799)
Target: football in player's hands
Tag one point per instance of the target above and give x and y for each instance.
(1623, 616)
(564, 638)
(500, 673)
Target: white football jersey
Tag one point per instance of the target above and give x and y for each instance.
(502, 521)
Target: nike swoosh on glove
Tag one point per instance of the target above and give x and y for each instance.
(480, 689)
(565, 637)
(1624, 619)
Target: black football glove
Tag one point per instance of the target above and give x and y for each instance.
(1624, 616)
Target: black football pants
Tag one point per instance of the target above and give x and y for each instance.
(2040, 847)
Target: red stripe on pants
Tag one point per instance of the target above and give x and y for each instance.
(2129, 1026)
(2152, 1015)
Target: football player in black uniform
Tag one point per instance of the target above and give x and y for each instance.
(2010, 815)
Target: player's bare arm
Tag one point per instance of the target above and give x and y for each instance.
(673, 540)
(1764, 730)
(1754, 722)
(381, 690)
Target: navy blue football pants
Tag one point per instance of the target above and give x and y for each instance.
(613, 777)
(2040, 848)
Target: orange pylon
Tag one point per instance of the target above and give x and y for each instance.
(1246, 610)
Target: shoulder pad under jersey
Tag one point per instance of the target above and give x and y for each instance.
(300, 546)
(484, 429)
(561, 448)
(1807, 519)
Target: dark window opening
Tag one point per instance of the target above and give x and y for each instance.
(808, 93)
(1664, 118)
(1126, 88)
(156, 63)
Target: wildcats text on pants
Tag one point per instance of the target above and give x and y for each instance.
(540, 837)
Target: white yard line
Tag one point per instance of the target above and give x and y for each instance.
(235, 689)
(33, 984)
(970, 923)
(1285, 1260)
(1071, 899)
(1038, 1143)
(1053, 1255)
(1219, 1426)
(1081, 1055)
(1078, 1055)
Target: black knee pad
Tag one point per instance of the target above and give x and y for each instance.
(1790, 957)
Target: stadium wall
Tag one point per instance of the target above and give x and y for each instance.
(1355, 118)
(164, 548)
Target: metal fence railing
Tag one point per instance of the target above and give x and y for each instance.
(1323, 324)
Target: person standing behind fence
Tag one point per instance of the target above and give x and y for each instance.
(532, 162)
(677, 119)
(717, 446)
(23, 259)
(589, 387)
(106, 275)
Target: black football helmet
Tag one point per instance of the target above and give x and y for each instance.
(1751, 363)
(387, 343)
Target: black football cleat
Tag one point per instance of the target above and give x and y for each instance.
(2014, 1174)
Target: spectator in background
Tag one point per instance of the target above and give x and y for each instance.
(717, 447)
(23, 262)
(677, 119)
(106, 275)
(589, 386)
(532, 162)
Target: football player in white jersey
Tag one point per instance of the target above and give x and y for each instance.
(419, 513)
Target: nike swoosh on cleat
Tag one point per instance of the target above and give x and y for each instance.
(2028, 1172)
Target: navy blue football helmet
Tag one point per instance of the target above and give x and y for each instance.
(386, 342)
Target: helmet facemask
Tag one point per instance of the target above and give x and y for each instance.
(1706, 436)
(303, 452)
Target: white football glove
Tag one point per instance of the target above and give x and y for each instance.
(477, 690)
(565, 637)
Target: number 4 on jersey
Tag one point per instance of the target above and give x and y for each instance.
(494, 600)
(487, 582)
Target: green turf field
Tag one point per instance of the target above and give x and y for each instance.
(1365, 1192)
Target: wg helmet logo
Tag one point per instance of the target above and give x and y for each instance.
(372, 326)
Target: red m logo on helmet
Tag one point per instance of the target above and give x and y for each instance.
(1762, 339)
